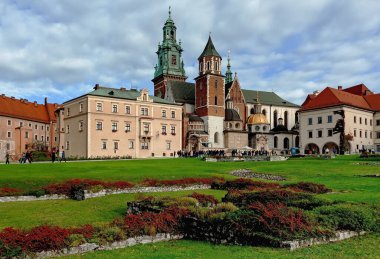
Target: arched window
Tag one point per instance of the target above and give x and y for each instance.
(275, 144)
(252, 110)
(216, 137)
(286, 118)
(216, 100)
(264, 112)
(208, 65)
(297, 118)
(286, 143)
(217, 65)
(297, 141)
(216, 84)
(237, 125)
(275, 118)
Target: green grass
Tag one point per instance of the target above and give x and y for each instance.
(353, 248)
(339, 174)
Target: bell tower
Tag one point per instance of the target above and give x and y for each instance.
(209, 94)
(170, 64)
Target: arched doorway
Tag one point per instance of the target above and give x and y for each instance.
(331, 147)
(286, 143)
(193, 143)
(275, 140)
(216, 137)
(311, 149)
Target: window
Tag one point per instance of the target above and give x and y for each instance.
(370, 134)
(131, 144)
(42, 127)
(128, 109)
(146, 127)
(275, 118)
(99, 125)
(354, 119)
(8, 146)
(208, 65)
(26, 134)
(310, 121)
(163, 113)
(168, 145)
(114, 108)
(144, 111)
(30, 125)
(35, 126)
(144, 145)
(68, 112)
(354, 132)
(21, 123)
(286, 143)
(174, 60)
(114, 126)
(81, 126)
(360, 120)
(275, 144)
(319, 120)
(47, 138)
(80, 107)
(370, 122)
(42, 138)
(145, 97)
(216, 100)
(216, 137)
(172, 130)
(365, 121)
(9, 134)
(163, 130)
(35, 137)
(378, 134)
(116, 145)
(365, 134)
(360, 133)
(9, 122)
(310, 134)
(173, 114)
(377, 122)
(216, 84)
(104, 144)
(319, 133)
(329, 119)
(127, 127)
(329, 132)
(99, 107)
(68, 129)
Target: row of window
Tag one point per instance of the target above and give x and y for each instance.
(320, 133)
(366, 121)
(361, 134)
(320, 120)
(144, 111)
(27, 135)
(21, 124)
(131, 145)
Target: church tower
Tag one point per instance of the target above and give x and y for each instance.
(170, 64)
(209, 94)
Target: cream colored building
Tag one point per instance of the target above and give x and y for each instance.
(320, 114)
(109, 122)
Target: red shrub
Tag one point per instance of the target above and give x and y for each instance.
(243, 183)
(280, 220)
(309, 187)
(204, 199)
(45, 238)
(8, 191)
(134, 225)
(182, 182)
(12, 238)
(87, 231)
(67, 186)
(118, 185)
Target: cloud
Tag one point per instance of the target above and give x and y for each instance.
(60, 49)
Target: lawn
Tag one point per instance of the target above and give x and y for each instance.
(339, 174)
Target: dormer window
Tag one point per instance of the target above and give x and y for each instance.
(145, 97)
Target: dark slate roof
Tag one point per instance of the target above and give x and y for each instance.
(232, 115)
(121, 94)
(194, 117)
(266, 98)
(209, 50)
(183, 92)
(227, 87)
(279, 128)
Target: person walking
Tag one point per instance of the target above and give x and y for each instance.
(63, 156)
(53, 156)
(7, 158)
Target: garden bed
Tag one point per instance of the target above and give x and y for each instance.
(248, 173)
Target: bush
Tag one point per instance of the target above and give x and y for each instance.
(289, 198)
(8, 191)
(180, 182)
(86, 231)
(309, 187)
(75, 240)
(11, 242)
(347, 217)
(242, 184)
(203, 199)
(43, 238)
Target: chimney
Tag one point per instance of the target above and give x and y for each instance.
(3, 95)
(315, 93)
(96, 87)
(12, 97)
(25, 100)
(340, 88)
(45, 100)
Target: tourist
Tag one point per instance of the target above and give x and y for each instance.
(63, 156)
(53, 156)
(7, 158)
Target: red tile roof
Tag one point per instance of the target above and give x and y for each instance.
(22, 109)
(357, 96)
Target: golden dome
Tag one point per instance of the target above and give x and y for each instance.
(257, 118)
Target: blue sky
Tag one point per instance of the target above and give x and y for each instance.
(61, 48)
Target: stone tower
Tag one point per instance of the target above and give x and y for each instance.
(209, 94)
(170, 64)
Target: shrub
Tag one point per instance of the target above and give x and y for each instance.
(224, 207)
(118, 185)
(107, 234)
(37, 193)
(11, 242)
(8, 191)
(309, 187)
(203, 199)
(181, 182)
(44, 238)
(287, 197)
(241, 184)
(75, 240)
(347, 217)
(86, 231)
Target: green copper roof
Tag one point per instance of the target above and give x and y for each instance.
(266, 98)
(209, 50)
(121, 94)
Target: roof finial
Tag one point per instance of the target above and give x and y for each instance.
(228, 58)
(209, 34)
(170, 12)
(257, 96)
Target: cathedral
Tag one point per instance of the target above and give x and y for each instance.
(217, 112)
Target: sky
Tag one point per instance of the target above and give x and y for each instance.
(61, 48)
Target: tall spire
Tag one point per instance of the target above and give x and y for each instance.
(170, 12)
(258, 104)
(228, 72)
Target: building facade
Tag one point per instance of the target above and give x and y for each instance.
(109, 122)
(26, 126)
(340, 120)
